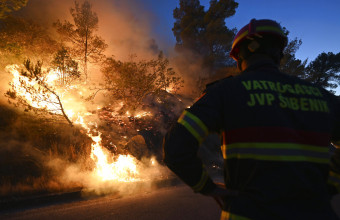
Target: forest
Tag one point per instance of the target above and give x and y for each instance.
(76, 114)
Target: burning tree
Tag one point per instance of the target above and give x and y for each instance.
(54, 91)
(131, 81)
(86, 46)
(66, 67)
(32, 89)
(20, 38)
(8, 6)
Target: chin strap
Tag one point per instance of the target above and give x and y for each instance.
(239, 63)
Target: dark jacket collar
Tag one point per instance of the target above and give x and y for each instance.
(262, 65)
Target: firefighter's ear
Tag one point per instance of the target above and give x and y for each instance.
(253, 46)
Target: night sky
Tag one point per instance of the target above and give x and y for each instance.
(315, 22)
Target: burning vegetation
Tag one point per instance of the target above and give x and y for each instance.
(78, 118)
(88, 97)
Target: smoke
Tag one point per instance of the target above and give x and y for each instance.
(5, 78)
(124, 25)
(19, 163)
(126, 28)
(149, 173)
(192, 71)
(46, 12)
(64, 164)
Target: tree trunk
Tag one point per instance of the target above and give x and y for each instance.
(85, 57)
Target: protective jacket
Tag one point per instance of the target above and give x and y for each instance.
(276, 131)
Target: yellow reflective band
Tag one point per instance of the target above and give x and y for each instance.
(265, 145)
(198, 121)
(258, 29)
(200, 185)
(224, 151)
(269, 28)
(279, 158)
(334, 179)
(278, 152)
(191, 130)
(239, 38)
(229, 216)
(194, 125)
(335, 175)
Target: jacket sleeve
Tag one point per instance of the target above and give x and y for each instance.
(334, 174)
(180, 155)
(182, 141)
(336, 130)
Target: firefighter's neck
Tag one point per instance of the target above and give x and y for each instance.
(256, 58)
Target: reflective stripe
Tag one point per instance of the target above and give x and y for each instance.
(334, 179)
(258, 29)
(194, 125)
(273, 145)
(269, 28)
(278, 152)
(224, 151)
(229, 216)
(239, 38)
(200, 185)
(224, 145)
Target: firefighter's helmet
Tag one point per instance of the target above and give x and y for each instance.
(258, 29)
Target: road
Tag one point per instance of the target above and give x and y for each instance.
(176, 202)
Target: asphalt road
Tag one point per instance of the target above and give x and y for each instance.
(176, 202)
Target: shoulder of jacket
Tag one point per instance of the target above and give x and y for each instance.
(209, 85)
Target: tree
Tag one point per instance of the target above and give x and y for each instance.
(8, 6)
(67, 68)
(324, 71)
(189, 25)
(131, 81)
(21, 38)
(86, 46)
(218, 37)
(289, 63)
(34, 92)
(204, 33)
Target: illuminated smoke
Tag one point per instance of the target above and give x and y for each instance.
(126, 34)
(109, 169)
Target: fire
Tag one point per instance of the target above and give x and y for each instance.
(138, 115)
(37, 100)
(52, 77)
(108, 167)
(33, 100)
(123, 169)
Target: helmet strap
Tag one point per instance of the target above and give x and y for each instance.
(239, 64)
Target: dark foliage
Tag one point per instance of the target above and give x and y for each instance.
(204, 33)
(324, 71)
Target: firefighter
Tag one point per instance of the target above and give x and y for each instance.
(276, 132)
